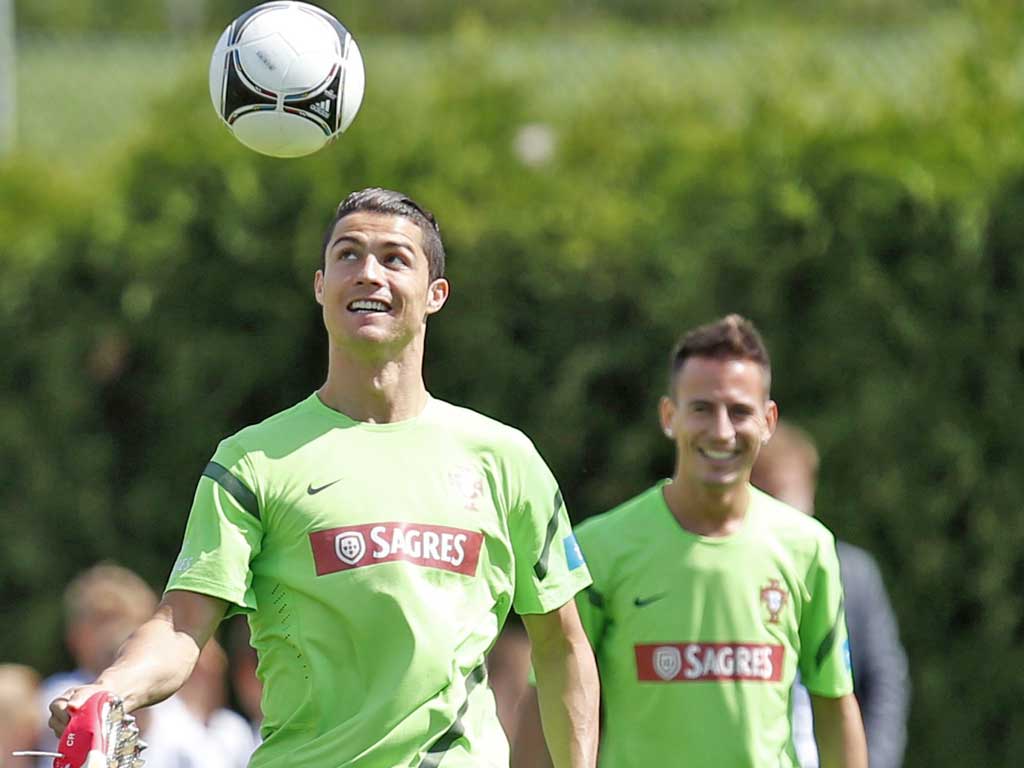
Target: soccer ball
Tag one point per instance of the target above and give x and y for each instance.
(286, 78)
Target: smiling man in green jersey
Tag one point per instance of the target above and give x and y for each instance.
(708, 595)
(377, 538)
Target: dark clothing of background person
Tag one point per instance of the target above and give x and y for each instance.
(880, 676)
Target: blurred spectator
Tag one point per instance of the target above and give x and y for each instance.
(508, 669)
(787, 468)
(20, 718)
(194, 728)
(242, 663)
(102, 606)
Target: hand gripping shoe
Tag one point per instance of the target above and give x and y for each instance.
(99, 735)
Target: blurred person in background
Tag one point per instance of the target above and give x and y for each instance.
(242, 663)
(508, 670)
(20, 718)
(194, 728)
(709, 594)
(376, 538)
(103, 605)
(787, 468)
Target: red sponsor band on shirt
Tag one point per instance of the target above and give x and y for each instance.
(694, 662)
(432, 546)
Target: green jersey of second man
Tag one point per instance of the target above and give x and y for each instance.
(698, 638)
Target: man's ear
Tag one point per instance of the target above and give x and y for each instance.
(437, 295)
(318, 287)
(666, 415)
(771, 420)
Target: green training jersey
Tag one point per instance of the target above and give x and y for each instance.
(698, 639)
(377, 563)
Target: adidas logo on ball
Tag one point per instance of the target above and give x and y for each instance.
(322, 108)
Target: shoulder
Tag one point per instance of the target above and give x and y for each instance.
(621, 529)
(622, 517)
(459, 419)
(482, 431)
(279, 434)
(800, 534)
(296, 418)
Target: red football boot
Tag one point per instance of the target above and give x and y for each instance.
(100, 735)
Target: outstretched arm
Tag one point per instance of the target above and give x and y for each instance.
(567, 686)
(156, 660)
(839, 732)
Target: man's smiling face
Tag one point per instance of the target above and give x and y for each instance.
(375, 287)
(719, 416)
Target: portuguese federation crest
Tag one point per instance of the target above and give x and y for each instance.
(468, 484)
(350, 547)
(668, 661)
(774, 597)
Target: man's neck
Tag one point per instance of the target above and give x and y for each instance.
(378, 392)
(707, 511)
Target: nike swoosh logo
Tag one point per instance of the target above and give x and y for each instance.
(314, 491)
(640, 602)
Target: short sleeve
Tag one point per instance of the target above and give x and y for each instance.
(591, 601)
(825, 666)
(549, 566)
(224, 532)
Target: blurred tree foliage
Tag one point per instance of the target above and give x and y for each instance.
(150, 312)
(190, 16)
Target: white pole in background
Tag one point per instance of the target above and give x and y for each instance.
(7, 77)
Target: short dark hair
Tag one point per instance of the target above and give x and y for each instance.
(732, 337)
(391, 203)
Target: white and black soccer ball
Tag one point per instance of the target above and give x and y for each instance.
(286, 78)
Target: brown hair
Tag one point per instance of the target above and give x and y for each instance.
(107, 591)
(731, 337)
(391, 203)
(789, 445)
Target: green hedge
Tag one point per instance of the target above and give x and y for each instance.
(147, 313)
